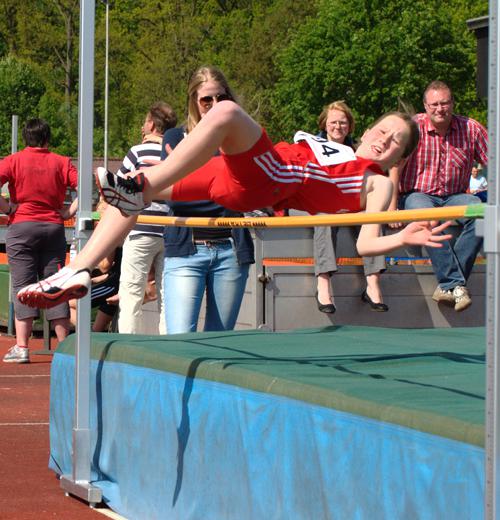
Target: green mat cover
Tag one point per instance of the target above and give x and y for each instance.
(432, 380)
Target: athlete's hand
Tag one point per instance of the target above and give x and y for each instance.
(395, 225)
(424, 234)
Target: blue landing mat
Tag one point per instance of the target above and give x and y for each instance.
(258, 425)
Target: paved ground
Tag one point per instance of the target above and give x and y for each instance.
(28, 489)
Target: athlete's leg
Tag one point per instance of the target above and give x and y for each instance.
(109, 233)
(73, 281)
(226, 127)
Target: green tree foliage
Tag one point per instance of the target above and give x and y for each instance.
(8, 26)
(45, 35)
(377, 56)
(20, 92)
(285, 59)
(155, 47)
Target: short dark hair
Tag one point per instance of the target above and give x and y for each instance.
(437, 85)
(163, 116)
(36, 132)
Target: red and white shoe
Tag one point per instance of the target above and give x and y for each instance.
(62, 286)
(124, 193)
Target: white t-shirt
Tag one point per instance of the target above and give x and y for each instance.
(477, 183)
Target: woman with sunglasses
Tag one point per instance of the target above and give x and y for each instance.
(336, 124)
(199, 261)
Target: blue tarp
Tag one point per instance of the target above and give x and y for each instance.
(167, 446)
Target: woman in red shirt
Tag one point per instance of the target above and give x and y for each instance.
(35, 242)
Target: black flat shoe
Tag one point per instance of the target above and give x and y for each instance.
(377, 307)
(328, 308)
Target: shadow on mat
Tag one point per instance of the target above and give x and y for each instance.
(99, 400)
(184, 428)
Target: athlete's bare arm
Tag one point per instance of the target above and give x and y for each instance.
(375, 196)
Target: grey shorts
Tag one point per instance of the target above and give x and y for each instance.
(35, 250)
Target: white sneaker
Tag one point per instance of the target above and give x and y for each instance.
(443, 296)
(124, 193)
(62, 286)
(17, 354)
(462, 298)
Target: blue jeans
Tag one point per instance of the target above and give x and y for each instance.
(452, 264)
(212, 268)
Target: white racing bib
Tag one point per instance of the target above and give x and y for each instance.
(327, 152)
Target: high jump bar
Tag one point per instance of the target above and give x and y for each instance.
(344, 219)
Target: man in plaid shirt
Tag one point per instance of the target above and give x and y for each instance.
(437, 174)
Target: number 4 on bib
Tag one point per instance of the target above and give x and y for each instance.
(327, 152)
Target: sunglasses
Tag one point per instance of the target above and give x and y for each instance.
(206, 101)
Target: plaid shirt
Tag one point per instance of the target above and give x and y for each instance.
(442, 165)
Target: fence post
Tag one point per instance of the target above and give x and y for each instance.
(10, 322)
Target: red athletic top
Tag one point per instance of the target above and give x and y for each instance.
(38, 180)
(281, 176)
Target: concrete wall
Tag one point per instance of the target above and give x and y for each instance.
(282, 297)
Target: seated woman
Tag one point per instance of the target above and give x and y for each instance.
(336, 123)
(311, 175)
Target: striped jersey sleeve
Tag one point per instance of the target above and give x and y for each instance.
(137, 158)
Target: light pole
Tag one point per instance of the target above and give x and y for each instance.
(106, 85)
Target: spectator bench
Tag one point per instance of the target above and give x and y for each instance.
(281, 288)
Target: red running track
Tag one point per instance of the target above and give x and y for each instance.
(28, 489)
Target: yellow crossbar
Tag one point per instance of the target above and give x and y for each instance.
(345, 219)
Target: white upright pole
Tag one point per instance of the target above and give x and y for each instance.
(78, 483)
(492, 249)
(106, 88)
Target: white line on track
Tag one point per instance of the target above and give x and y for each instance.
(13, 376)
(24, 424)
(109, 513)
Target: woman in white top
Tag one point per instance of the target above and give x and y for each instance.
(336, 123)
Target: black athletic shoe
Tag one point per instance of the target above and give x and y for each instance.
(124, 193)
